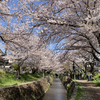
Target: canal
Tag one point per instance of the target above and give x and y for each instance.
(56, 91)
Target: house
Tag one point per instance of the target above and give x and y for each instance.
(1, 59)
(1, 53)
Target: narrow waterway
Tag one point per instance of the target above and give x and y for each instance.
(56, 91)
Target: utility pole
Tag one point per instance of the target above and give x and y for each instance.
(74, 69)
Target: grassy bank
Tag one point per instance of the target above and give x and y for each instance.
(97, 79)
(30, 91)
(8, 79)
(80, 92)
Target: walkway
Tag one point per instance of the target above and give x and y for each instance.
(92, 91)
(56, 91)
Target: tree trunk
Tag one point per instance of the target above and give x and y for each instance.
(20, 62)
(4, 66)
(92, 68)
(18, 71)
(85, 65)
(43, 74)
(43, 71)
(33, 71)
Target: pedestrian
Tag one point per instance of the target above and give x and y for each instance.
(56, 75)
(82, 76)
(90, 76)
(78, 76)
(87, 76)
(19, 77)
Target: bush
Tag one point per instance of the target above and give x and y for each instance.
(15, 66)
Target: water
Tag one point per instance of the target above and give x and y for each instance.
(56, 91)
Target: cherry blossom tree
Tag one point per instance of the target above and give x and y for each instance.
(70, 24)
(22, 50)
(76, 23)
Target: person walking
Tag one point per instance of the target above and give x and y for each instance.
(78, 76)
(90, 76)
(82, 76)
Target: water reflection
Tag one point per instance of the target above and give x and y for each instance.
(56, 91)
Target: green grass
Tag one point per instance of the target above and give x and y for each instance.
(80, 92)
(97, 79)
(8, 79)
(32, 98)
(70, 90)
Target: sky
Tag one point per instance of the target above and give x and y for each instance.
(4, 24)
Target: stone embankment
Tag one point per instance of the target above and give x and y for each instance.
(31, 91)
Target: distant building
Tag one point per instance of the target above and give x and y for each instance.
(97, 64)
(1, 59)
(1, 53)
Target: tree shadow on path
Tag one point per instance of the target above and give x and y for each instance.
(92, 90)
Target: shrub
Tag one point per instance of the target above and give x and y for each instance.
(15, 66)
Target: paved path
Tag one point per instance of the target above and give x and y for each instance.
(92, 91)
(56, 91)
